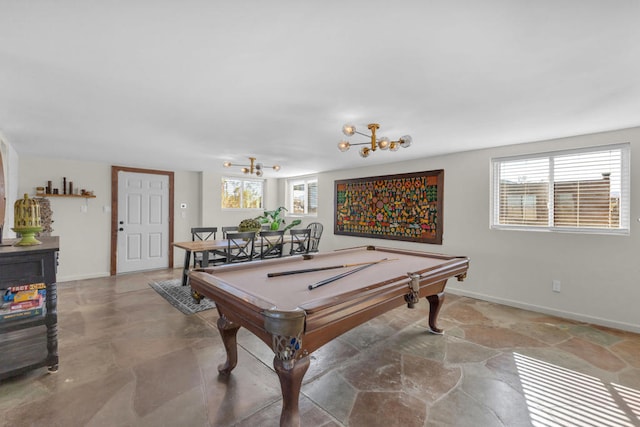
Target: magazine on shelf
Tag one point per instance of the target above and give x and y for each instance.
(26, 295)
(23, 305)
(26, 287)
(16, 293)
(7, 314)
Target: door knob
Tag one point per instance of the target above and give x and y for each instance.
(121, 229)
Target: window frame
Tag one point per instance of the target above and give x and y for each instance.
(624, 227)
(244, 180)
(289, 194)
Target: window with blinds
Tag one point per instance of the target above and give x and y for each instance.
(303, 196)
(584, 190)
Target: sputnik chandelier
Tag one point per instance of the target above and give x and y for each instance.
(383, 143)
(253, 167)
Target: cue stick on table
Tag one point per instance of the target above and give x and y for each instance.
(311, 270)
(340, 276)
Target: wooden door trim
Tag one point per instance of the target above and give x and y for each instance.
(114, 211)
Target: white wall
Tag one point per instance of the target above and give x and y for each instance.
(187, 190)
(600, 275)
(85, 237)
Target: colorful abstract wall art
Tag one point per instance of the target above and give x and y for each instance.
(398, 207)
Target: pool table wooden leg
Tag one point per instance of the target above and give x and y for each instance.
(435, 302)
(228, 331)
(290, 373)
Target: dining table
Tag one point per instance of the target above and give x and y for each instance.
(205, 247)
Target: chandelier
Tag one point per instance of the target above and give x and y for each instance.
(382, 143)
(253, 167)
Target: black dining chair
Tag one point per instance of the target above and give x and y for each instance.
(240, 247)
(271, 244)
(229, 229)
(299, 241)
(314, 239)
(202, 233)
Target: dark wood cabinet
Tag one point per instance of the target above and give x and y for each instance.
(32, 342)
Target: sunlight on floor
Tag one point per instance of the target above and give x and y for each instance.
(561, 397)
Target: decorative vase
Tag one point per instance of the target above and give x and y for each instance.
(26, 214)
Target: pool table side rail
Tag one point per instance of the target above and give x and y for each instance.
(323, 325)
(399, 251)
(239, 307)
(456, 267)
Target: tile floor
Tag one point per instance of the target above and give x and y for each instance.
(128, 358)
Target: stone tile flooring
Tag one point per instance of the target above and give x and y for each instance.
(127, 358)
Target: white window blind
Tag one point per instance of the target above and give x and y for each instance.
(303, 196)
(584, 190)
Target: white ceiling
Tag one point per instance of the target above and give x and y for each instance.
(186, 85)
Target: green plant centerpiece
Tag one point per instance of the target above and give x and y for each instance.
(275, 219)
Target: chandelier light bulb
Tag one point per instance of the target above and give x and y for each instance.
(348, 129)
(383, 143)
(258, 166)
(245, 170)
(227, 164)
(394, 146)
(365, 151)
(343, 146)
(259, 172)
(276, 168)
(406, 141)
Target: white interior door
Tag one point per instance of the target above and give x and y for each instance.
(143, 221)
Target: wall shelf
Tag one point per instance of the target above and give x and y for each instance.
(77, 196)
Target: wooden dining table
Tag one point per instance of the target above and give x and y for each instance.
(205, 246)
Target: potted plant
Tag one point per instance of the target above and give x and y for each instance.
(275, 219)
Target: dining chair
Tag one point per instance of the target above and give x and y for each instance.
(240, 246)
(202, 233)
(229, 229)
(271, 244)
(299, 241)
(314, 239)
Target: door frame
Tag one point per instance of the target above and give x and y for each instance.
(114, 211)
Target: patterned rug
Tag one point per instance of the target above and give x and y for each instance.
(180, 296)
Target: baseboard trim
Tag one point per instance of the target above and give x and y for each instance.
(62, 279)
(552, 312)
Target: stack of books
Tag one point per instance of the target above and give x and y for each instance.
(23, 301)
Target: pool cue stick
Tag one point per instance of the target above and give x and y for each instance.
(311, 270)
(340, 276)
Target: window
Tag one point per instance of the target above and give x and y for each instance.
(303, 196)
(585, 190)
(241, 193)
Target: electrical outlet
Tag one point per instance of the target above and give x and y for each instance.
(555, 285)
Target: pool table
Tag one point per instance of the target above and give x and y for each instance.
(295, 319)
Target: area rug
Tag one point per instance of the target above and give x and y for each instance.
(180, 296)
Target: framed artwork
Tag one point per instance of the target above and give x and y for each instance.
(398, 207)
